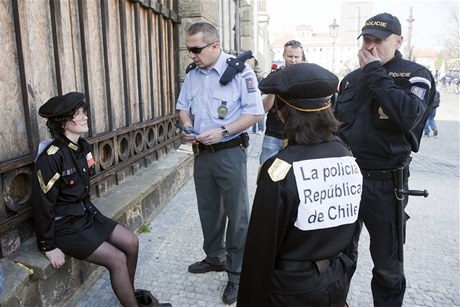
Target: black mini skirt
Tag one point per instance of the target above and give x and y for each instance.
(80, 236)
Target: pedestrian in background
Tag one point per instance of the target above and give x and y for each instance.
(274, 135)
(431, 122)
(383, 107)
(219, 115)
(66, 220)
(259, 127)
(293, 249)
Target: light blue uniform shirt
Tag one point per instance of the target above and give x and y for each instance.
(202, 94)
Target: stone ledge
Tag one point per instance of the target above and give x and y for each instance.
(29, 279)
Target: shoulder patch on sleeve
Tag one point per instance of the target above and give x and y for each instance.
(279, 169)
(52, 150)
(420, 92)
(250, 85)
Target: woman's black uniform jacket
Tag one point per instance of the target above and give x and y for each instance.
(61, 187)
(272, 234)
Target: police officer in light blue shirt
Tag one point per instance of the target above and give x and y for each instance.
(219, 115)
(212, 105)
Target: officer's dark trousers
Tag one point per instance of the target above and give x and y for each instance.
(378, 211)
(223, 206)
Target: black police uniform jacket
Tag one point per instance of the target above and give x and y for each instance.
(63, 213)
(273, 236)
(383, 109)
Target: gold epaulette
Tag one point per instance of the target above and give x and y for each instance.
(279, 169)
(73, 146)
(52, 150)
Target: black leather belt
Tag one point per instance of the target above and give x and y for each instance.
(293, 266)
(222, 145)
(377, 175)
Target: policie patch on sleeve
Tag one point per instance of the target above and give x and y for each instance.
(420, 92)
(250, 85)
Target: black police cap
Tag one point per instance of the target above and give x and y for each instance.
(305, 87)
(381, 26)
(60, 105)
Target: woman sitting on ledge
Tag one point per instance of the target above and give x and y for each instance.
(66, 221)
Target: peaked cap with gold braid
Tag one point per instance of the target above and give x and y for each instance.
(305, 87)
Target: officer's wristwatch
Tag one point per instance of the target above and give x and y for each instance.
(225, 132)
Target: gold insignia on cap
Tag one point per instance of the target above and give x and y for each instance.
(46, 187)
(52, 150)
(310, 105)
(279, 169)
(73, 146)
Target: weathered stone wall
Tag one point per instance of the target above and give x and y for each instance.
(120, 53)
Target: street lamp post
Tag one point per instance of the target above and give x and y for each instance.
(333, 29)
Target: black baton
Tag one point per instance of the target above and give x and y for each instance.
(401, 193)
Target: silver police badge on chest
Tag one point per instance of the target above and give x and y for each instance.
(222, 110)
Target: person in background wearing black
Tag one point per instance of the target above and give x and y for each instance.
(295, 239)
(66, 221)
(383, 107)
(273, 139)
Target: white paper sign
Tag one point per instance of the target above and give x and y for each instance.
(329, 192)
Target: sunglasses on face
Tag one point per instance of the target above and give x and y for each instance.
(293, 43)
(197, 50)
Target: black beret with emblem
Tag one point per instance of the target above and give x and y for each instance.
(60, 105)
(305, 87)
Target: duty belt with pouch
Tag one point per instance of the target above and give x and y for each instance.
(293, 266)
(377, 174)
(391, 174)
(241, 140)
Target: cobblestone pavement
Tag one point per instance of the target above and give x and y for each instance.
(431, 250)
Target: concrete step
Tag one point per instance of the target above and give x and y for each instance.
(30, 280)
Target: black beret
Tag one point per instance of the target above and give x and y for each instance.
(60, 105)
(304, 86)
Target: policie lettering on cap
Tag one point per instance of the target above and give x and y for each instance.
(381, 26)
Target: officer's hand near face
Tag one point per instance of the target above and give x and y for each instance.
(367, 56)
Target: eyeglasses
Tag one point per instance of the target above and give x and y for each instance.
(197, 50)
(80, 116)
